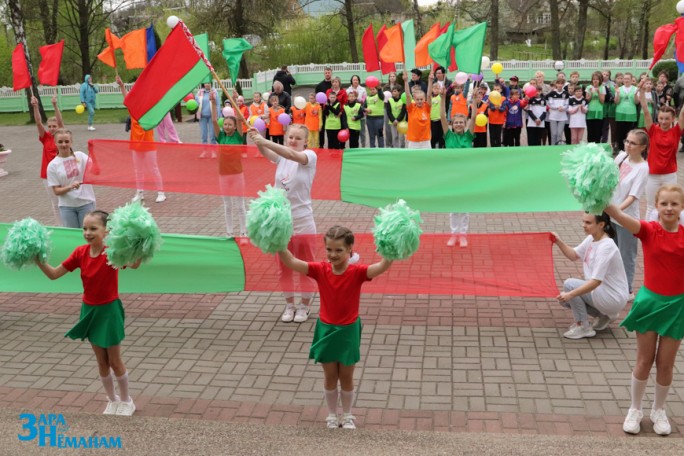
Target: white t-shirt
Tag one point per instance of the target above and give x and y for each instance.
(296, 180)
(632, 182)
(62, 172)
(360, 93)
(601, 261)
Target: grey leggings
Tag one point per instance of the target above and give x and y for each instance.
(582, 305)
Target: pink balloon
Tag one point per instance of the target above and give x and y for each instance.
(228, 112)
(284, 119)
(343, 135)
(531, 91)
(372, 81)
(259, 124)
(321, 97)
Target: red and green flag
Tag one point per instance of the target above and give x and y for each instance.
(176, 69)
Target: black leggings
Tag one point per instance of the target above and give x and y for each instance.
(354, 138)
(622, 129)
(511, 137)
(333, 142)
(495, 135)
(594, 130)
(436, 135)
(534, 136)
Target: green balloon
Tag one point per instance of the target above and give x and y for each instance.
(220, 122)
(191, 105)
(403, 97)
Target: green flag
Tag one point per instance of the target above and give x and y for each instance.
(203, 43)
(440, 49)
(233, 48)
(409, 44)
(469, 43)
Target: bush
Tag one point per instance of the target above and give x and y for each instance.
(669, 67)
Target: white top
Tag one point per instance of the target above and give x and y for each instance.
(62, 172)
(577, 116)
(296, 180)
(554, 101)
(360, 93)
(633, 177)
(601, 261)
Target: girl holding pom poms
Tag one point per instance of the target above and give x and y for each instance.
(337, 336)
(295, 170)
(657, 314)
(102, 314)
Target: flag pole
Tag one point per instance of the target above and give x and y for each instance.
(232, 100)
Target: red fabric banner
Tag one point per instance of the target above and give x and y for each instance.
(238, 170)
(21, 79)
(370, 50)
(382, 41)
(679, 38)
(51, 59)
(492, 265)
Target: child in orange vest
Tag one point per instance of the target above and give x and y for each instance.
(312, 121)
(497, 118)
(275, 129)
(482, 105)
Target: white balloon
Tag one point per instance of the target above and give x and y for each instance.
(172, 21)
(461, 77)
(299, 102)
(680, 7)
(388, 95)
(228, 112)
(486, 62)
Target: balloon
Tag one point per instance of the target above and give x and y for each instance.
(252, 119)
(79, 109)
(321, 97)
(259, 124)
(497, 68)
(299, 102)
(402, 127)
(228, 112)
(461, 78)
(403, 94)
(680, 7)
(220, 122)
(192, 105)
(343, 136)
(284, 119)
(188, 97)
(388, 95)
(172, 21)
(495, 97)
(477, 77)
(485, 62)
(531, 91)
(481, 120)
(372, 81)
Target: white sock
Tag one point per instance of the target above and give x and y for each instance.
(331, 400)
(123, 387)
(638, 389)
(347, 400)
(108, 383)
(660, 396)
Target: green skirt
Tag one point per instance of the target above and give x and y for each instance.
(654, 312)
(102, 325)
(332, 343)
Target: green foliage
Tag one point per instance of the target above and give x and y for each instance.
(670, 67)
(5, 62)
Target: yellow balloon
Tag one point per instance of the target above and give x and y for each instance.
(495, 97)
(79, 109)
(481, 120)
(252, 119)
(402, 127)
(497, 68)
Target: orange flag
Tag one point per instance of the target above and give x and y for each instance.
(134, 47)
(393, 51)
(107, 55)
(422, 56)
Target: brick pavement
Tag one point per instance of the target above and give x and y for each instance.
(443, 363)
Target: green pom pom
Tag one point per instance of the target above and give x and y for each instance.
(269, 220)
(26, 241)
(133, 235)
(591, 174)
(397, 231)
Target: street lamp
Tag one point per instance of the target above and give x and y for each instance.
(559, 65)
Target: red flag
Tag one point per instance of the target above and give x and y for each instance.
(382, 40)
(51, 59)
(134, 47)
(661, 38)
(21, 79)
(679, 38)
(422, 57)
(370, 50)
(393, 50)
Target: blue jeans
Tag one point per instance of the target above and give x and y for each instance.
(91, 113)
(375, 127)
(627, 245)
(72, 217)
(207, 130)
(582, 305)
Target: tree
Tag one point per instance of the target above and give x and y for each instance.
(605, 9)
(555, 30)
(581, 29)
(48, 17)
(494, 31)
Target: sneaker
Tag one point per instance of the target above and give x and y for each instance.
(354, 258)
(302, 313)
(348, 421)
(126, 408)
(161, 197)
(112, 406)
(332, 422)
(452, 241)
(632, 424)
(579, 332)
(288, 314)
(661, 425)
(601, 323)
(463, 242)
(204, 155)
(631, 297)
(91, 128)
(139, 196)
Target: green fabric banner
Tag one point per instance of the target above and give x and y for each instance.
(184, 264)
(497, 179)
(409, 44)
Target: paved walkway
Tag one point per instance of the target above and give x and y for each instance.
(429, 363)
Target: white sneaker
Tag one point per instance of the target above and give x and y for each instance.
(161, 197)
(354, 258)
(139, 196)
(348, 421)
(126, 408)
(601, 323)
(631, 297)
(288, 314)
(632, 424)
(91, 128)
(332, 422)
(579, 332)
(452, 241)
(463, 242)
(112, 406)
(302, 313)
(661, 425)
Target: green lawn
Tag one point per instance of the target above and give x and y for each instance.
(9, 119)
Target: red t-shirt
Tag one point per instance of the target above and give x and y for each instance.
(340, 294)
(49, 152)
(663, 258)
(100, 281)
(662, 154)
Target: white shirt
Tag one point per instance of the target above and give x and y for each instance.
(633, 177)
(62, 172)
(296, 179)
(360, 93)
(601, 261)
